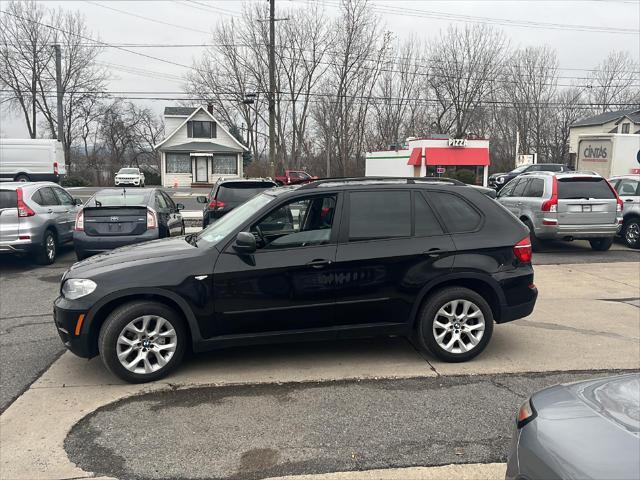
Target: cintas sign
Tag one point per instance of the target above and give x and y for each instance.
(595, 150)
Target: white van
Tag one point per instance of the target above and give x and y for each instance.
(609, 155)
(31, 160)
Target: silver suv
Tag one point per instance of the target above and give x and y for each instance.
(36, 218)
(565, 206)
(628, 188)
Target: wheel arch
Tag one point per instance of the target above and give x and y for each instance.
(99, 313)
(484, 285)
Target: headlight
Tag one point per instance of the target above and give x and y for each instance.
(77, 287)
(500, 179)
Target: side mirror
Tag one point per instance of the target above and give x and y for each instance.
(77, 202)
(179, 206)
(202, 199)
(245, 243)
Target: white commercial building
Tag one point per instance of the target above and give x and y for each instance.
(429, 156)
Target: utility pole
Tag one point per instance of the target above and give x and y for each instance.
(59, 92)
(272, 87)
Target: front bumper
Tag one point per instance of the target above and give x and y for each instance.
(85, 244)
(67, 317)
(127, 181)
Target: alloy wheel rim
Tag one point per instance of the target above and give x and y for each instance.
(458, 326)
(51, 248)
(633, 233)
(146, 344)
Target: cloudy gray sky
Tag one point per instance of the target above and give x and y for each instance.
(525, 22)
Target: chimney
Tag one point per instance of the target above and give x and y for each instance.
(210, 108)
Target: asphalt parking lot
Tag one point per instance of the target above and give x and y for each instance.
(303, 409)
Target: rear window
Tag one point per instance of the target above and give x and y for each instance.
(241, 191)
(584, 187)
(115, 199)
(458, 215)
(8, 199)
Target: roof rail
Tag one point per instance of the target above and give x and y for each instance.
(408, 180)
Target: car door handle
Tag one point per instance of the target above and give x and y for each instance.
(319, 263)
(435, 252)
(50, 210)
(629, 200)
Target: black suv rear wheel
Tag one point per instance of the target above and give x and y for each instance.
(455, 324)
(142, 341)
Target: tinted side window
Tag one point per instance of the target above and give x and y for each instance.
(381, 214)
(627, 187)
(47, 197)
(518, 191)
(160, 200)
(535, 188)
(426, 223)
(507, 190)
(458, 215)
(170, 203)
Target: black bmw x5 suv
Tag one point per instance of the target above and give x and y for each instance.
(434, 260)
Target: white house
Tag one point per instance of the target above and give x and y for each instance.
(197, 149)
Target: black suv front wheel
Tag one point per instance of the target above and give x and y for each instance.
(142, 341)
(455, 324)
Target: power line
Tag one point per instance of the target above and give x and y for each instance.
(490, 20)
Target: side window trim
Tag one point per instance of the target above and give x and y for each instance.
(423, 194)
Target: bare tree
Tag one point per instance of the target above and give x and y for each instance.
(26, 52)
(465, 64)
(529, 84)
(82, 80)
(612, 83)
(567, 111)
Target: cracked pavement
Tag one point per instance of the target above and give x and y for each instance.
(260, 431)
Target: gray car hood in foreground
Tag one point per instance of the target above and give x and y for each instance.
(586, 430)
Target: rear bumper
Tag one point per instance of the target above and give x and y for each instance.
(514, 312)
(85, 244)
(577, 231)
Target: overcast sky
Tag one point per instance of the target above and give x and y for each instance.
(576, 49)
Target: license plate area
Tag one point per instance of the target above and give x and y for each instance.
(586, 208)
(115, 227)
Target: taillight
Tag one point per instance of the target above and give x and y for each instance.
(23, 208)
(79, 226)
(216, 204)
(619, 202)
(522, 250)
(55, 168)
(551, 205)
(525, 414)
(152, 221)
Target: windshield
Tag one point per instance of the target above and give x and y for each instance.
(232, 220)
(118, 199)
(520, 169)
(129, 171)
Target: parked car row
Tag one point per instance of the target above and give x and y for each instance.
(36, 218)
(575, 205)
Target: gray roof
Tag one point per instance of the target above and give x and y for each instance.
(201, 147)
(607, 117)
(183, 111)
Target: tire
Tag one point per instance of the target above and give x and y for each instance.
(536, 243)
(23, 177)
(183, 230)
(631, 233)
(431, 311)
(118, 325)
(47, 252)
(601, 244)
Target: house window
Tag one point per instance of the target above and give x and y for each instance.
(197, 129)
(225, 165)
(625, 127)
(178, 163)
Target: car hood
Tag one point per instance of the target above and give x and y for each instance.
(161, 250)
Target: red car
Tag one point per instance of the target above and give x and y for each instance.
(291, 177)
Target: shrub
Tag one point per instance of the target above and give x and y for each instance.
(74, 181)
(151, 177)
